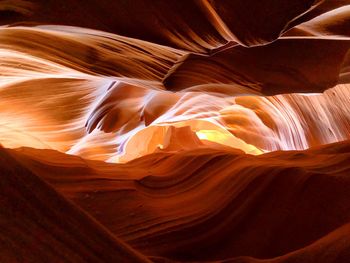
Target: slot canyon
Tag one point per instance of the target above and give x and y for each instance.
(175, 131)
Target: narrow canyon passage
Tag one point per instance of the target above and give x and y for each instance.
(174, 131)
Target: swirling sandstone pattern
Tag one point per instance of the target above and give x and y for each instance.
(166, 131)
(211, 204)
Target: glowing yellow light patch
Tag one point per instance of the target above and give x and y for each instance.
(212, 135)
(227, 139)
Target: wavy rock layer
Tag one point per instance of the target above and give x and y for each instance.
(113, 98)
(193, 25)
(39, 225)
(110, 120)
(210, 204)
(180, 92)
(109, 97)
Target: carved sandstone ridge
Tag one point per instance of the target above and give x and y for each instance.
(88, 92)
(105, 119)
(196, 25)
(197, 205)
(219, 30)
(285, 66)
(39, 225)
(308, 58)
(180, 89)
